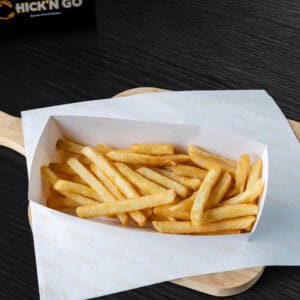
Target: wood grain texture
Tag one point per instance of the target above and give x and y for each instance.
(11, 134)
(169, 44)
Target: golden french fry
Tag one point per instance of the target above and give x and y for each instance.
(84, 160)
(137, 158)
(65, 155)
(107, 183)
(192, 183)
(63, 185)
(241, 173)
(221, 160)
(134, 166)
(124, 218)
(231, 192)
(155, 217)
(109, 169)
(206, 161)
(184, 205)
(97, 185)
(77, 179)
(130, 205)
(78, 198)
(248, 229)
(123, 185)
(255, 173)
(103, 149)
(148, 212)
(189, 227)
(138, 180)
(229, 212)
(177, 158)
(61, 202)
(69, 146)
(125, 149)
(203, 194)
(90, 179)
(177, 214)
(164, 181)
(219, 191)
(61, 168)
(189, 171)
(152, 149)
(48, 175)
(248, 196)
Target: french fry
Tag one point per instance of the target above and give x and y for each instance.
(177, 158)
(164, 181)
(231, 192)
(228, 212)
(177, 214)
(248, 229)
(241, 173)
(63, 186)
(155, 217)
(137, 158)
(219, 191)
(97, 185)
(109, 169)
(148, 212)
(48, 175)
(142, 182)
(186, 227)
(248, 196)
(203, 194)
(192, 183)
(61, 202)
(124, 218)
(134, 166)
(107, 183)
(206, 161)
(184, 205)
(102, 148)
(90, 179)
(61, 168)
(78, 199)
(125, 149)
(189, 171)
(123, 185)
(84, 160)
(130, 205)
(152, 149)
(138, 180)
(65, 155)
(255, 173)
(77, 179)
(69, 146)
(221, 160)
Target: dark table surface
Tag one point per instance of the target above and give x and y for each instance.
(175, 45)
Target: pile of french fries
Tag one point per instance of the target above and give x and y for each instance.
(197, 192)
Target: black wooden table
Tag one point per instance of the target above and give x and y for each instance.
(169, 44)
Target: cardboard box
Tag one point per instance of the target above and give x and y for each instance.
(121, 133)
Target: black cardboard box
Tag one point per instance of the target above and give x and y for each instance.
(19, 16)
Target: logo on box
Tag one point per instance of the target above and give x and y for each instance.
(9, 9)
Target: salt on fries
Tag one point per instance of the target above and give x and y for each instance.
(198, 192)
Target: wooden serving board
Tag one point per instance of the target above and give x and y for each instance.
(217, 284)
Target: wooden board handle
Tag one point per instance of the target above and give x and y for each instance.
(11, 133)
